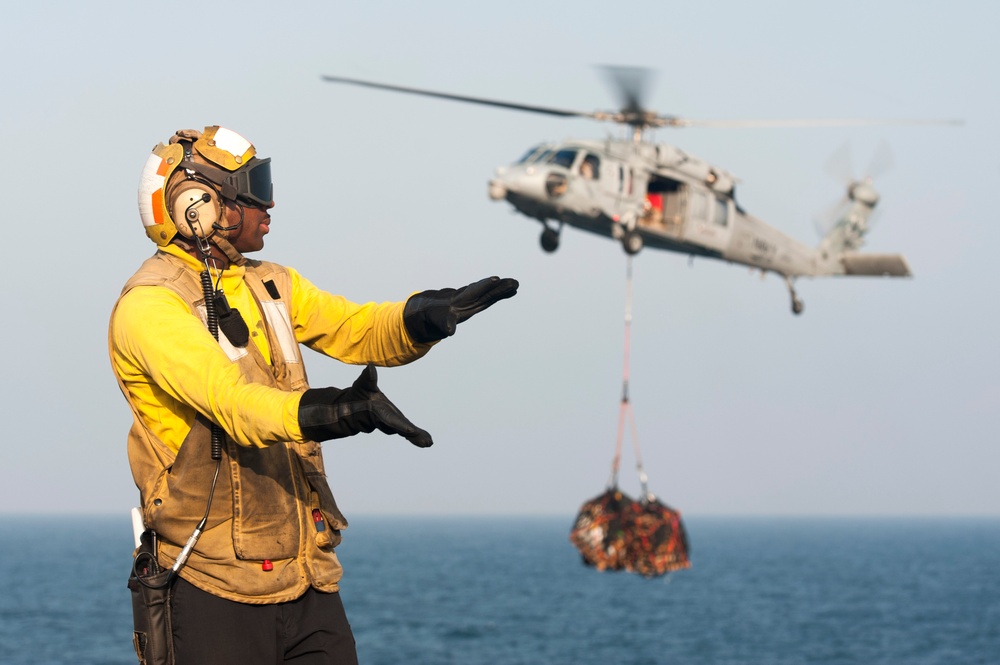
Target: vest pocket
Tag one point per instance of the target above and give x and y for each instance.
(311, 457)
(177, 500)
(265, 510)
(335, 520)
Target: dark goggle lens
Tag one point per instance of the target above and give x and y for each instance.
(260, 181)
(253, 184)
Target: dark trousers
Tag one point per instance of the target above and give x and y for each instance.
(310, 630)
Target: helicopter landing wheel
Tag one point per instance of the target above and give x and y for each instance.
(797, 305)
(632, 242)
(550, 240)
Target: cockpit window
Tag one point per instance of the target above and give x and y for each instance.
(528, 155)
(542, 156)
(563, 158)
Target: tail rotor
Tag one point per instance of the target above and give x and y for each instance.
(856, 206)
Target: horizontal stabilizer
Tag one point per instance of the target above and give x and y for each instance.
(887, 265)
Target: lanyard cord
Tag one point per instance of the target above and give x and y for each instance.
(625, 409)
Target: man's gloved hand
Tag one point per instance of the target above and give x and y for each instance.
(332, 413)
(433, 315)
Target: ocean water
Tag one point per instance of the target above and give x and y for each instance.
(513, 590)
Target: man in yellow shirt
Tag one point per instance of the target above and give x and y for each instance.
(237, 561)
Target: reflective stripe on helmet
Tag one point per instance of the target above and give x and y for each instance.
(155, 176)
(231, 142)
(151, 190)
(224, 148)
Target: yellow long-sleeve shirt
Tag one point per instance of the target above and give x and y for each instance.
(173, 368)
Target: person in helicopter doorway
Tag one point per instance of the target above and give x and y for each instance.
(205, 345)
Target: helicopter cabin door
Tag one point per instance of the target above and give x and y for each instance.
(710, 219)
(665, 206)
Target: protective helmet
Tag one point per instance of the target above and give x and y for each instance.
(184, 183)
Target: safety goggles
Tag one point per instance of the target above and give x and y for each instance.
(251, 184)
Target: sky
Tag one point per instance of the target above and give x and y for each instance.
(881, 399)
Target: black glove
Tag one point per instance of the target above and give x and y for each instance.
(332, 413)
(433, 315)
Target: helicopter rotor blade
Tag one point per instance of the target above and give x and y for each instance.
(882, 161)
(839, 165)
(668, 121)
(472, 100)
(828, 218)
(631, 84)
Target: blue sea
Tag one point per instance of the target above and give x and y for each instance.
(513, 590)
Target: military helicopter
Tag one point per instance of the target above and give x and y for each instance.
(646, 194)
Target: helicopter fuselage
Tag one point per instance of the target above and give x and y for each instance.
(657, 196)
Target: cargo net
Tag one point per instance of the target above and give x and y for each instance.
(615, 532)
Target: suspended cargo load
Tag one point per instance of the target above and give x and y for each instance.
(600, 528)
(615, 532)
(659, 543)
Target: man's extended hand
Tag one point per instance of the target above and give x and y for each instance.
(332, 413)
(433, 315)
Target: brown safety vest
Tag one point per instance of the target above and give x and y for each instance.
(261, 543)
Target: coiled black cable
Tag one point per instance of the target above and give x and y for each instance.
(210, 312)
(212, 316)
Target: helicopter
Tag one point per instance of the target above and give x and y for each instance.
(648, 194)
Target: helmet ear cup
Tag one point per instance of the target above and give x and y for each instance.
(195, 209)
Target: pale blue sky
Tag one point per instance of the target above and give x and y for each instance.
(881, 399)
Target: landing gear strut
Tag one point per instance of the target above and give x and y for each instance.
(797, 305)
(550, 239)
